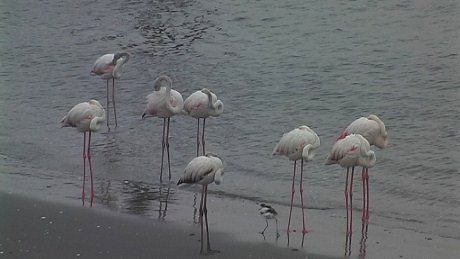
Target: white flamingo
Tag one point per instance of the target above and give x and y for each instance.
(373, 130)
(298, 144)
(350, 151)
(164, 102)
(202, 104)
(85, 117)
(204, 170)
(109, 66)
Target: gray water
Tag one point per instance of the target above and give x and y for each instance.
(276, 65)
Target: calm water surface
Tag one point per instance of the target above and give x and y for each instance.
(275, 64)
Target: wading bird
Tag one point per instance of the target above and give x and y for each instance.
(298, 144)
(350, 151)
(202, 104)
(109, 66)
(164, 102)
(373, 130)
(86, 117)
(268, 212)
(204, 170)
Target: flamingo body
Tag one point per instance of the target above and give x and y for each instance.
(371, 128)
(299, 143)
(202, 104)
(352, 150)
(109, 66)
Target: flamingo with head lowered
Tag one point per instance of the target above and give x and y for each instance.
(164, 102)
(109, 66)
(85, 117)
(298, 144)
(202, 104)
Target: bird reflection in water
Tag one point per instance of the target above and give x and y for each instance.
(362, 242)
(163, 200)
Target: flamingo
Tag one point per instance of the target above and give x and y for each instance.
(298, 144)
(202, 104)
(85, 117)
(268, 212)
(163, 102)
(109, 66)
(204, 170)
(373, 130)
(350, 151)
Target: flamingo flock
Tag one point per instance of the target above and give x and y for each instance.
(351, 148)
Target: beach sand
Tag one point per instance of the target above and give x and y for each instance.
(44, 228)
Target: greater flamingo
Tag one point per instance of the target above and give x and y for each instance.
(202, 104)
(298, 144)
(164, 102)
(373, 130)
(268, 212)
(109, 66)
(204, 170)
(350, 151)
(85, 117)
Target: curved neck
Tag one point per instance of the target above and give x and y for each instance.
(96, 123)
(121, 59)
(216, 107)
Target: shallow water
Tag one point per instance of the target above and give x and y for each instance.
(275, 65)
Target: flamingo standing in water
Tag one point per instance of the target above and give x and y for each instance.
(109, 66)
(204, 170)
(202, 104)
(350, 151)
(86, 117)
(373, 130)
(298, 144)
(164, 103)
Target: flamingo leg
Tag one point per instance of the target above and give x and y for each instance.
(108, 102)
(113, 102)
(367, 194)
(90, 168)
(351, 199)
(304, 230)
(363, 176)
(292, 199)
(84, 169)
(205, 210)
(162, 149)
(167, 149)
(201, 217)
(198, 137)
(202, 137)
(346, 199)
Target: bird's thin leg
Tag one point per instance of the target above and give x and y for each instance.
(108, 102)
(113, 102)
(304, 230)
(201, 217)
(162, 149)
(363, 176)
(351, 199)
(167, 149)
(292, 199)
(198, 137)
(367, 194)
(277, 232)
(266, 226)
(84, 169)
(90, 168)
(346, 199)
(202, 136)
(205, 210)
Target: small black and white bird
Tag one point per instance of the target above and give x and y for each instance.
(268, 212)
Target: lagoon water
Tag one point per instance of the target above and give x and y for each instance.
(276, 65)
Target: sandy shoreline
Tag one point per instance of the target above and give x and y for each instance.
(42, 228)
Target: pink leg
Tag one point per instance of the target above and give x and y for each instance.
(202, 137)
(367, 194)
(198, 138)
(84, 169)
(346, 199)
(363, 173)
(163, 144)
(292, 199)
(108, 102)
(201, 217)
(205, 210)
(304, 230)
(113, 102)
(90, 169)
(351, 199)
(167, 149)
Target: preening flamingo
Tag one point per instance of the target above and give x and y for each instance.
(298, 144)
(85, 117)
(109, 66)
(373, 130)
(202, 104)
(350, 151)
(164, 102)
(204, 170)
